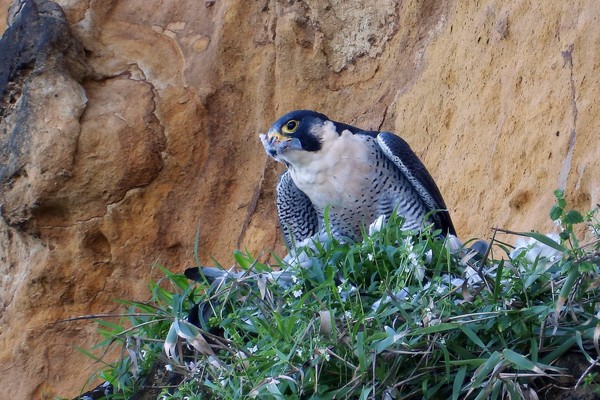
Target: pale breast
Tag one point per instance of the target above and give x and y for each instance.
(359, 183)
(339, 174)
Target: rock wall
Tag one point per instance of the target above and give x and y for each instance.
(125, 126)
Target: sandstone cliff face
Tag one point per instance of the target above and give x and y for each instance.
(127, 125)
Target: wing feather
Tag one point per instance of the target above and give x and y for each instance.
(400, 153)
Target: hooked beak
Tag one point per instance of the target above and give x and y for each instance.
(276, 144)
(273, 136)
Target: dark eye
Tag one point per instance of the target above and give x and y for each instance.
(290, 126)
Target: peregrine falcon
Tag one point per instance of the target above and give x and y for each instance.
(357, 175)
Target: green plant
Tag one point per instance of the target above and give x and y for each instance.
(395, 316)
(140, 332)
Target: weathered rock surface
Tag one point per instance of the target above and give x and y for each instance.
(126, 125)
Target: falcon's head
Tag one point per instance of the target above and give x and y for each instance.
(297, 131)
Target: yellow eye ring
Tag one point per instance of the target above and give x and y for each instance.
(290, 127)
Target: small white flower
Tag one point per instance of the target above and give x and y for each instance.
(376, 225)
(294, 279)
(414, 259)
(472, 275)
(415, 263)
(401, 295)
(348, 314)
(370, 256)
(169, 367)
(457, 282)
(299, 352)
(430, 315)
(375, 305)
(191, 366)
(419, 272)
(439, 289)
(253, 350)
(297, 293)
(428, 256)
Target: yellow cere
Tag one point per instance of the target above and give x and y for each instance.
(277, 135)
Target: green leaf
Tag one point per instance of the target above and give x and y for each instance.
(545, 240)
(520, 361)
(512, 389)
(185, 329)
(540, 270)
(391, 339)
(87, 353)
(446, 359)
(572, 276)
(448, 326)
(496, 388)
(474, 338)
(482, 373)
(560, 198)
(572, 217)
(555, 213)
(458, 382)
(116, 328)
(242, 259)
(272, 346)
(365, 392)
(563, 348)
(360, 351)
(498, 281)
(473, 362)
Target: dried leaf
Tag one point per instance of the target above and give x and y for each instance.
(326, 326)
(170, 345)
(261, 281)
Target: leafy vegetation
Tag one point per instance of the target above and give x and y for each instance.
(396, 316)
